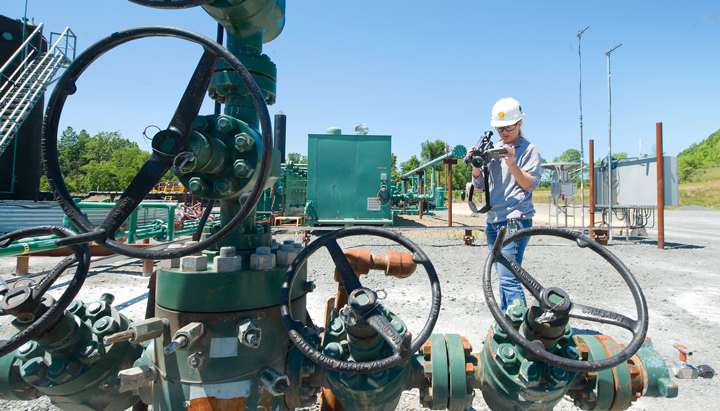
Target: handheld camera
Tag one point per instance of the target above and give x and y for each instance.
(484, 151)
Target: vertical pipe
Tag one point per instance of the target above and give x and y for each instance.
(404, 192)
(660, 185)
(132, 227)
(280, 130)
(607, 53)
(148, 265)
(450, 191)
(421, 190)
(591, 172)
(218, 108)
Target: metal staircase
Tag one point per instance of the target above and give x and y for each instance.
(24, 86)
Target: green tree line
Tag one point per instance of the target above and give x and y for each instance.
(103, 162)
(695, 158)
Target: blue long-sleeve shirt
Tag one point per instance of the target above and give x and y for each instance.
(506, 195)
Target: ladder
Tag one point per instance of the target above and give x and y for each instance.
(24, 86)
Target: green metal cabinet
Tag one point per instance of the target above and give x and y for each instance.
(346, 173)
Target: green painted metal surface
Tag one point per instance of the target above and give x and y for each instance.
(456, 367)
(344, 177)
(440, 376)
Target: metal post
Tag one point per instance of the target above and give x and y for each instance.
(404, 192)
(607, 53)
(660, 185)
(591, 172)
(582, 145)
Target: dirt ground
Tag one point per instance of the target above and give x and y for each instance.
(680, 283)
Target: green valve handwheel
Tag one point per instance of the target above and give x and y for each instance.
(363, 302)
(556, 302)
(167, 144)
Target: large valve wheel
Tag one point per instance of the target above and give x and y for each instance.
(22, 301)
(362, 301)
(167, 144)
(557, 302)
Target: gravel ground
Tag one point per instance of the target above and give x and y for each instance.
(680, 284)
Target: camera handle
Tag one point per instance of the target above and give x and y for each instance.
(487, 206)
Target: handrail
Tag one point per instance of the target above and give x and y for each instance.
(7, 63)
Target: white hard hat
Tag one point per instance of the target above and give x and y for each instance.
(506, 112)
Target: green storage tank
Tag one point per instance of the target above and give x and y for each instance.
(348, 177)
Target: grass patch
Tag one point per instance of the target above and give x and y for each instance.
(701, 193)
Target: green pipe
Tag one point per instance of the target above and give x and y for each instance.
(457, 152)
(20, 248)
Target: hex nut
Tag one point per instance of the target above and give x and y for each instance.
(243, 142)
(226, 264)
(529, 374)
(249, 333)
(197, 359)
(97, 310)
(242, 169)
(557, 376)
(105, 326)
(377, 379)
(350, 380)
(224, 187)
(30, 349)
(91, 352)
(197, 185)
(61, 371)
(225, 124)
(193, 263)
(286, 255)
(228, 251)
(506, 356)
(34, 370)
(263, 259)
(77, 308)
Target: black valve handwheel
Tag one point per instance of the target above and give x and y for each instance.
(558, 302)
(171, 4)
(166, 143)
(20, 301)
(362, 301)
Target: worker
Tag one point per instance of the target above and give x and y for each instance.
(512, 179)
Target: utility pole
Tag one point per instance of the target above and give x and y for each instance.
(582, 146)
(607, 53)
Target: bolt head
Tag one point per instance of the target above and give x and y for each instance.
(529, 374)
(349, 379)
(224, 187)
(506, 356)
(91, 352)
(242, 169)
(197, 359)
(34, 370)
(224, 124)
(197, 185)
(377, 379)
(61, 371)
(243, 142)
(557, 376)
(106, 326)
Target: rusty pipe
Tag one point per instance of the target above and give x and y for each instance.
(660, 185)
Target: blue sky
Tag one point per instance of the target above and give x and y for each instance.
(425, 70)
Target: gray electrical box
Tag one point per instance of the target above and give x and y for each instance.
(634, 182)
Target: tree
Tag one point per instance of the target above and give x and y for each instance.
(411, 164)
(393, 168)
(297, 158)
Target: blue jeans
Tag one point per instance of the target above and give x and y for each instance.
(510, 287)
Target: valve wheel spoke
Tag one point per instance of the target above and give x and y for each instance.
(599, 315)
(347, 274)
